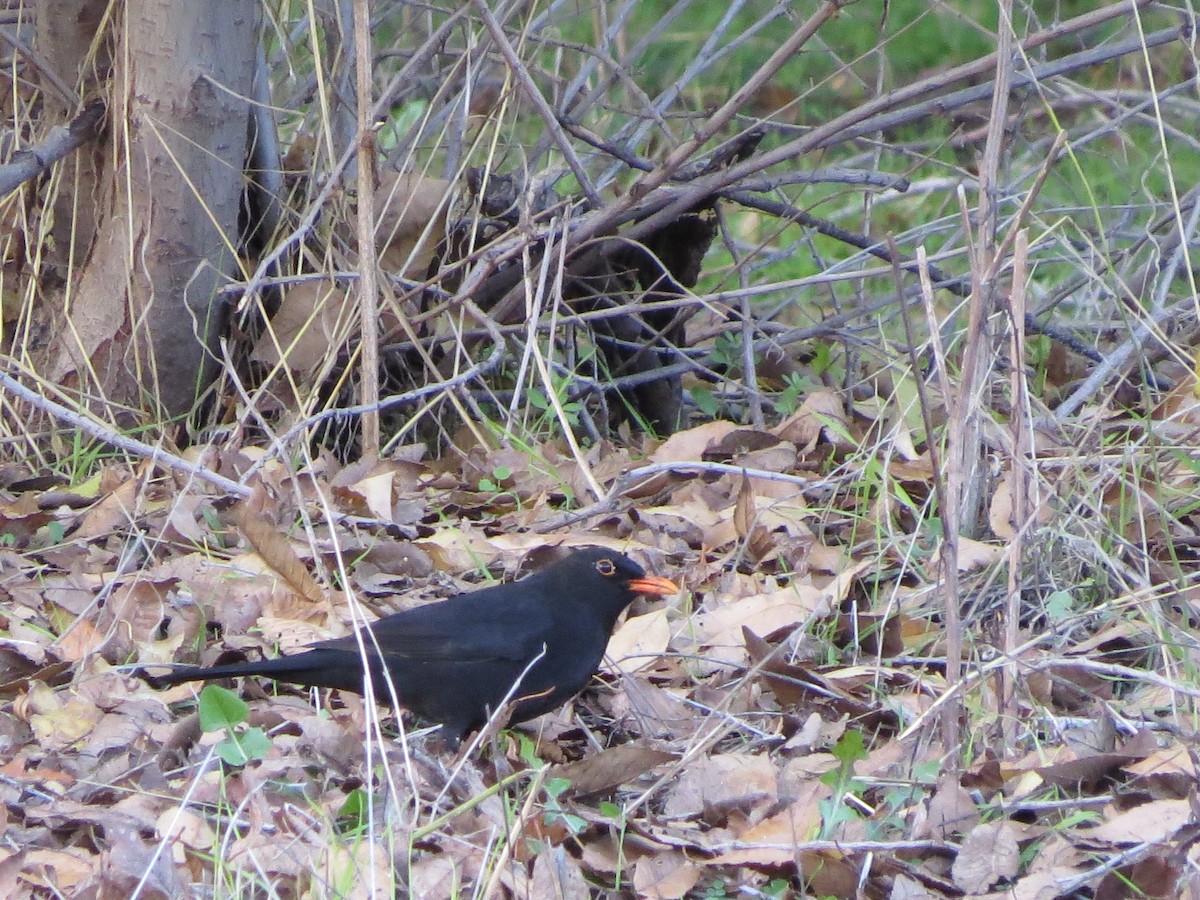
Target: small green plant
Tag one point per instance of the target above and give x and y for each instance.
(353, 812)
(616, 813)
(788, 400)
(727, 352)
(834, 811)
(54, 529)
(541, 402)
(535, 460)
(527, 750)
(554, 788)
(706, 401)
(494, 485)
(1060, 605)
(222, 710)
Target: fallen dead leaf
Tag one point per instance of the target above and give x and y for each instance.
(361, 871)
(822, 414)
(719, 626)
(57, 871)
(717, 785)
(409, 204)
(638, 643)
(689, 445)
(313, 317)
(1154, 821)
(988, 855)
(58, 721)
(654, 712)
(951, 811)
(1153, 878)
(557, 875)
(772, 842)
(665, 876)
(610, 768)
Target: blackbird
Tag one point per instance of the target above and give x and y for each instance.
(456, 662)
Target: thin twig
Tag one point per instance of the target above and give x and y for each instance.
(62, 141)
(39, 62)
(368, 299)
(121, 442)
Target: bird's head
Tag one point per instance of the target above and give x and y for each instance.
(595, 569)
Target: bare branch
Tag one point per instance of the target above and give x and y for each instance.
(63, 140)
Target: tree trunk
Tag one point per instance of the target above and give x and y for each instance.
(137, 319)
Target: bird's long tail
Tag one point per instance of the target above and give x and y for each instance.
(314, 668)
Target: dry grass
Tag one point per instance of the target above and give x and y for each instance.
(931, 498)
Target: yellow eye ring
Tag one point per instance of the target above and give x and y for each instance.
(606, 567)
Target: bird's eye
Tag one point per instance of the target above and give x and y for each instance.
(606, 567)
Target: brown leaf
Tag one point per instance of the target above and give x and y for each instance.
(690, 445)
(368, 860)
(977, 555)
(770, 842)
(1045, 885)
(81, 640)
(1170, 760)
(744, 514)
(1083, 773)
(905, 888)
(21, 518)
(1155, 821)
(951, 811)
(610, 768)
(409, 205)
(664, 876)
(314, 317)
(185, 826)
(829, 873)
(265, 853)
(371, 495)
(399, 559)
(716, 786)
(133, 615)
(651, 711)
(556, 874)
(276, 551)
(58, 720)
(723, 627)
(989, 854)
(796, 685)
(1152, 878)
(64, 869)
(638, 643)
(131, 865)
(739, 442)
(876, 634)
(114, 512)
(811, 422)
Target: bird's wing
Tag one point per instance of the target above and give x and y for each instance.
(493, 624)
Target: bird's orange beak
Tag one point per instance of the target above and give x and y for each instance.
(652, 584)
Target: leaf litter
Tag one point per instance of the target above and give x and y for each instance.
(767, 728)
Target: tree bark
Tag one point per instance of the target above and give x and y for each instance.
(69, 27)
(138, 317)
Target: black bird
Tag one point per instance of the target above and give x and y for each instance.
(457, 661)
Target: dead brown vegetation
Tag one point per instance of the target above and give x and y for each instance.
(903, 395)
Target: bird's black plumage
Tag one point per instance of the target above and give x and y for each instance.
(456, 661)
